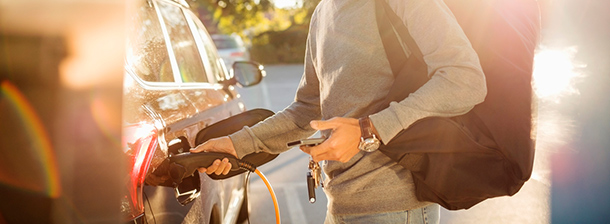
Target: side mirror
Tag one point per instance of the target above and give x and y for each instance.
(247, 73)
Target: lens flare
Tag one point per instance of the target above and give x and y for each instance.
(555, 73)
(106, 117)
(37, 134)
(555, 76)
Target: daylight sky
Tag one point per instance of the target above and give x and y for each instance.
(285, 3)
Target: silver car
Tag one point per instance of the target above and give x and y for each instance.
(175, 88)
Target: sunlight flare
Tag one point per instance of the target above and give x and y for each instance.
(555, 73)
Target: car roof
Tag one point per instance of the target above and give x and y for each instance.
(181, 2)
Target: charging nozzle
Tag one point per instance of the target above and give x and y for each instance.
(183, 165)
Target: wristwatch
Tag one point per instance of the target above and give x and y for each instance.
(368, 140)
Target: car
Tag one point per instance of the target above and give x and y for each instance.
(231, 48)
(175, 88)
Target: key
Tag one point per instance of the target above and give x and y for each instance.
(313, 180)
(315, 172)
(311, 188)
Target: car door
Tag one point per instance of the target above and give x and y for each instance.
(172, 91)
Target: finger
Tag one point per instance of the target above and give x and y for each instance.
(221, 167)
(319, 155)
(343, 156)
(201, 148)
(213, 167)
(318, 150)
(202, 170)
(325, 156)
(309, 149)
(329, 152)
(324, 125)
(305, 149)
(228, 167)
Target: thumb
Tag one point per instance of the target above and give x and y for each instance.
(202, 147)
(322, 125)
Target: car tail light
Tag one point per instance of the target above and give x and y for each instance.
(237, 54)
(139, 144)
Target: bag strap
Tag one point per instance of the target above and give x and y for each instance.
(395, 37)
(410, 70)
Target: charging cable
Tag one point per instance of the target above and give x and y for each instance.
(249, 167)
(184, 164)
(275, 204)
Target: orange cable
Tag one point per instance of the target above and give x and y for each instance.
(277, 208)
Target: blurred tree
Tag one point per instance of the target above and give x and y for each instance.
(276, 35)
(310, 6)
(286, 44)
(255, 16)
(241, 14)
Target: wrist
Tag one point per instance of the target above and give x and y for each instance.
(243, 143)
(371, 126)
(373, 129)
(369, 141)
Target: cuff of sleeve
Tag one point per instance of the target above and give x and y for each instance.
(387, 124)
(243, 141)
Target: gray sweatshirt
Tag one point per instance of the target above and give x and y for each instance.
(347, 74)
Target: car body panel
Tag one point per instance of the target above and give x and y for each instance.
(182, 112)
(175, 81)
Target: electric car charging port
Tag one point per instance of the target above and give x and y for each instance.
(189, 189)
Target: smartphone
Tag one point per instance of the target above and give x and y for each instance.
(306, 142)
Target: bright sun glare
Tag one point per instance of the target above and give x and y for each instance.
(285, 3)
(555, 73)
(555, 76)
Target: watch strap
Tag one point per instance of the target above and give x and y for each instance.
(366, 130)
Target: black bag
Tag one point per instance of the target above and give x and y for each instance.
(231, 125)
(488, 152)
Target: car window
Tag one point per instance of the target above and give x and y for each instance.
(183, 45)
(146, 50)
(211, 53)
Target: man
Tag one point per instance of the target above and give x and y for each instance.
(347, 76)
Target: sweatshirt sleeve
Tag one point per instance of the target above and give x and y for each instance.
(292, 123)
(457, 81)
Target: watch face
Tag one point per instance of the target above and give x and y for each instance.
(369, 144)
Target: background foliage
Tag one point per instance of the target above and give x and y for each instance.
(274, 35)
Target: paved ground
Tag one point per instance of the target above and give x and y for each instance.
(287, 173)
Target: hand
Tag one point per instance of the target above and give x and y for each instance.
(343, 142)
(221, 144)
